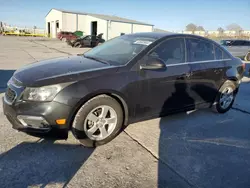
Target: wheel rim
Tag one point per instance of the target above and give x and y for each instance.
(226, 97)
(100, 122)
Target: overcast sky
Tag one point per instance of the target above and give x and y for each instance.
(171, 15)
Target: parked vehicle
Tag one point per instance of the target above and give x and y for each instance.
(125, 80)
(238, 48)
(64, 36)
(87, 41)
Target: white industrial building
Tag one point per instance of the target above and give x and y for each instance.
(111, 26)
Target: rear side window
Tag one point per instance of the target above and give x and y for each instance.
(171, 51)
(218, 53)
(200, 50)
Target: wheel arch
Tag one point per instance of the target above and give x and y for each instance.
(233, 79)
(247, 56)
(114, 94)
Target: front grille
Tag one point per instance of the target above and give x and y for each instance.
(10, 95)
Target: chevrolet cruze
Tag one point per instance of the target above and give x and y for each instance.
(127, 79)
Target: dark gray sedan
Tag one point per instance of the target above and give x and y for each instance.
(125, 80)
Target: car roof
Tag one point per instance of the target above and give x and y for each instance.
(159, 35)
(155, 35)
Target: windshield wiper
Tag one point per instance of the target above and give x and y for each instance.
(96, 59)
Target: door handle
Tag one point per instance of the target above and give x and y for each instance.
(185, 75)
(218, 71)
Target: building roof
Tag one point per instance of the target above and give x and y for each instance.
(104, 17)
(161, 30)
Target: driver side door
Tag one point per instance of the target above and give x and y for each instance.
(164, 91)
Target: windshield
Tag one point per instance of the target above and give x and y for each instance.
(120, 50)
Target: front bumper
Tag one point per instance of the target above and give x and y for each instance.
(26, 116)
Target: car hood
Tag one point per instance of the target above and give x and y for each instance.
(58, 70)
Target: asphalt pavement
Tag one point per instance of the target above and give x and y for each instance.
(198, 149)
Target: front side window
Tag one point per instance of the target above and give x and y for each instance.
(200, 50)
(171, 51)
(120, 50)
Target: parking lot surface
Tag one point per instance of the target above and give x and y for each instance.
(196, 149)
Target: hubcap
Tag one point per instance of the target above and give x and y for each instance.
(226, 97)
(100, 122)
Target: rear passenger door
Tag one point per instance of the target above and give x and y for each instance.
(207, 69)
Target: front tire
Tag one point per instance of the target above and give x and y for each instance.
(98, 121)
(225, 98)
(64, 39)
(77, 45)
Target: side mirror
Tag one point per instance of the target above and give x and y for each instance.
(153, 64)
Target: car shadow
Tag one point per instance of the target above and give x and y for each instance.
(41, 163)
(200, 148)
(178, 97)
(5, 75)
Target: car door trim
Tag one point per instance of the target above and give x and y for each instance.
(196, 62)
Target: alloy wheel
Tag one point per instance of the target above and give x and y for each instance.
(226, 97)
(100, 122)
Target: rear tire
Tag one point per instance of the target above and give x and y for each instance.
(98, 121)
(225, 98)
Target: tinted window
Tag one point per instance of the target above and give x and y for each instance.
(246, 43)
(218, 53)
(226, 55)
(238, 43)
(200, 50)
(171, 51)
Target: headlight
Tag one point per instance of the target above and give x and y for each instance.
(45, 93)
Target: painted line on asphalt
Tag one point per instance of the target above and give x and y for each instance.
(50, 47)
(29, 54)
(160, 160)
(240, 110)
